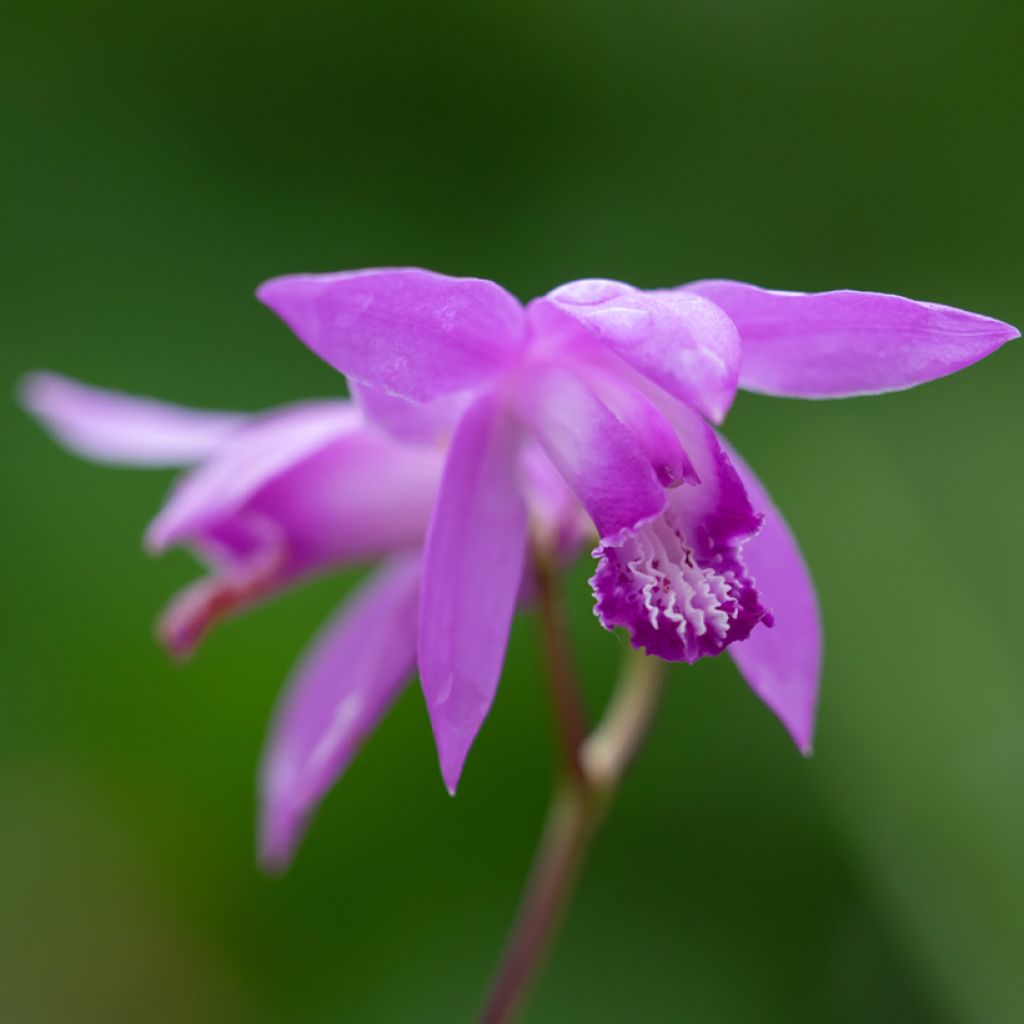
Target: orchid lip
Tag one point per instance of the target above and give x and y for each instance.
(679, 599)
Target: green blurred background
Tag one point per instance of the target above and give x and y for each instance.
(161, 160)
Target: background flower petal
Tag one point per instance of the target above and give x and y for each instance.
(472, 568)
(783, 664)
(108, 426)
(313, 476)
(411, 333)
(271, 445)
(834, 344)
(680, 341)
(345, 683)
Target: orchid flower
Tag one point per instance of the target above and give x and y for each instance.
(269, 500)
(617, 387)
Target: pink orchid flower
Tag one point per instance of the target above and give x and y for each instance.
(272, 499)
(615, 385)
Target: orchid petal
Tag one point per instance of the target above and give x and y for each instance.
(841, 343)
(415, 422)
(408, 332)
(270, 446)
(782, 665)
(649, 425)
(596, 454)
(302, 490)
(119, 429)
(344, 685)
(681, 342)
(472, 568)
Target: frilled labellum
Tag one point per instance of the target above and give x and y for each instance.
(681, 593)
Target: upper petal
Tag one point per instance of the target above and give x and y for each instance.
(597, 455)
(782, 664)
(472, 568)
(834, 344)
(344, 684)
(410, 333)
(112, 427)
(680, 341)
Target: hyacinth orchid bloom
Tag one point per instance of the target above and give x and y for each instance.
(617, 387)
(269, 500)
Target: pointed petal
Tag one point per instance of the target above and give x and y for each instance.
(408, 332)
(596, 454)
(781, 664)
(680, 341)
(345, 683)
(472, 568)
(835, 344)
(111, 427)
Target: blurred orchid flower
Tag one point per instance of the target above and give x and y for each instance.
(615, 385)
(271, 499)
(275, 498)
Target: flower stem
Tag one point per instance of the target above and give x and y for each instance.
(556, 866)
(567, 706)
(590, 778)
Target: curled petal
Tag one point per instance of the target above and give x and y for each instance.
(302, 490)
(782, 664)
(680, 341)
(345, 683)
(472, 568)
(678, 581)
(597, 455)
(835, 344)
(410, 333)
(240, 581)
(649, 425)
(120, 429)
(335, 489)
(270, 446)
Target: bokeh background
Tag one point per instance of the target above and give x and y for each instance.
(160, 160)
